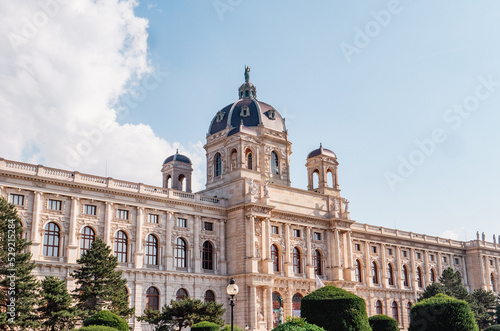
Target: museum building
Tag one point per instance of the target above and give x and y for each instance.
(249, 224)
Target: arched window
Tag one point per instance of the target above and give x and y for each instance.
(315, 179)
(121, 242)
(406, 281)
(357, 269)
(249, 160)
(408, 310)
(180, 253)
(419, 278)
(433, 276)
(168, 183)
(378, 307)
(217, 165)
(275, 169)
(374, 270)
(182, 182)
(275, 257)
(296, 261)
(492, 279)
(51, 240)
(86, 240)
(153, 298)
(330, 178)
(390, 274)
(207, 261)
(181, 294)
(317, 263)
(296, 300)
(395, 312)
(152, 250)
(209, 296)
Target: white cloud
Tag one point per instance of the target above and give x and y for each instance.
(64, 65)
(455, 234)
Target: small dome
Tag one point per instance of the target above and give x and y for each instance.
(321, 151)
(177, 157)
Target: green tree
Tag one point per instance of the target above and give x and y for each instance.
(432, 290)
(483, 304)
(99, 284)
(184, 313)
(56, 310)
(452, 281)
(19, 289)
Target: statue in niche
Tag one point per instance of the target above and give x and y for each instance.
(336, 207)
(266, 189)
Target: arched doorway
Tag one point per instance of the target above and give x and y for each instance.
(296, 299)
(277, 309)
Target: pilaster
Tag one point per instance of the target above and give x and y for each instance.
(72, 248)
(139, 249)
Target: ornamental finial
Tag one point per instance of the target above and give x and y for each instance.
(247, 74)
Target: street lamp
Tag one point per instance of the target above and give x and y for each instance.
(232, 290)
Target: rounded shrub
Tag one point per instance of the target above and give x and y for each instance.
(96, 328)
(297, 324)
(383, 323)
(335, 309)
(227, 327)
(206, 326)
(493, 328)
(442, 312)
(107, 318)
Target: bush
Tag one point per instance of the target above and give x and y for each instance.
(297, 324)
(442, 312)
(206, 326)
(383, 323)
(335, 309)
(96, 328)
(493, 328)
(227, 327)
(107, 318)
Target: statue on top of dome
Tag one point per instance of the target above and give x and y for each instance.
(247, 74)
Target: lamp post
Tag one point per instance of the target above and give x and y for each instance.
(232, 290)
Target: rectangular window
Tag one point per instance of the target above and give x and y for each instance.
(374, 249)
(491, 262)
(317, 236)
(208, 226)
(431, 257)
(296, 233)
(357, 247)
(153, 218)
(182, 222)
(55, 204)
(405, 253)
(389, 251)
(419, 255)
(457, 261)
(274, 229)
(122, 214)
(17, 199)
(90, 210)
(445, 260)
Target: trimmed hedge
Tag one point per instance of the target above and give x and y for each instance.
(493, 328)
(107, 318)
(96, 328)
(297, 324)
(442, 312)
(227, 327)
(206, 326)
(383, 323)
(335, 309)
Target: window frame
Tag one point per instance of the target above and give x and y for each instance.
(152, 249)
(51, 240)
(120, 246)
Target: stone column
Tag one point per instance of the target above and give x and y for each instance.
(251, 236)
(72, 249)
(367, 264)
(348, 268)
(439, 265)
(196, 244)
(139, 249)
(383, 267)
(222, 256)
(268, 300)
(35, 224)
(337, 269)
(139, 299)
(309, 262)
(413, 269)
(288, 264)
(169, 262)
(108, 218)
(426, 269)
(399, 267)
(252, 304)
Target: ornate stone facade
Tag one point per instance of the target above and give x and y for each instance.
(249, 223)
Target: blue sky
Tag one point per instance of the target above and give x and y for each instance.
(375, 82)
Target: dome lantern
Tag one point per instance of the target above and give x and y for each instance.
(247, 90)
